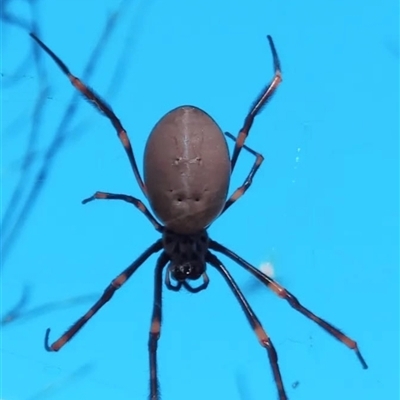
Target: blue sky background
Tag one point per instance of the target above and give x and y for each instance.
(324, 205)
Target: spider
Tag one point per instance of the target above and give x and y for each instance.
(187, 170)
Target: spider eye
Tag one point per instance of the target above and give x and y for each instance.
(182, 272)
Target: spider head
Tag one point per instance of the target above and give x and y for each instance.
(187, 270)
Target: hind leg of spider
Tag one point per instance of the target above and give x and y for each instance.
(258, 105)
(107, 295)
(292, 300)
(129, 199)
(101, 106)
(241, 190)
(262, 336)
(155, 327)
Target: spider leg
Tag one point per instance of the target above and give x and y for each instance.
(107, 295)
(292, 300)
(258, 105)
(241, 190)
(204, 285)
(176, 288)
(129, 199)
(101, 105)
(262, 336)
(155, 328)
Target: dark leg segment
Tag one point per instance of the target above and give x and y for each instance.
(203, 286)
(101, 106)
(108, 293)
(129, 199)
(241, 190)
(155, 327)
(178, 286)
(292, 300)
(262, 336)
(260, 102)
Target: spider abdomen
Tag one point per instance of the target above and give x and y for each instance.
(187, 170)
